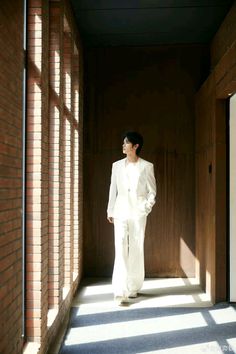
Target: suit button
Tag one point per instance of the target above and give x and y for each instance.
(128, 190)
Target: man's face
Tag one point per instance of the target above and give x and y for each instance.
(128, 147)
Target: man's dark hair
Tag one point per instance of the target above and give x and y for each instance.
(134, 138)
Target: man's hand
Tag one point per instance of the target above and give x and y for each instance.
(110, 219)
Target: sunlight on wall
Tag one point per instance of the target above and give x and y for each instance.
(76, 82)
(54, 207)
(55, 71)
(76, 105)
(187, 259)
(67, 205)
(197, 269)
(36, 54)
(76, 205)
(208, 283)
(68, 90)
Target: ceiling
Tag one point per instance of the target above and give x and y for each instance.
(148, 22)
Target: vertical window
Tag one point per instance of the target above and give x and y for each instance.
(67, 47)
(75, 72)
(52, 247)
(54, 159)
(34, 172)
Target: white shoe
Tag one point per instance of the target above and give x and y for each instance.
(121, 300)
(133, 295)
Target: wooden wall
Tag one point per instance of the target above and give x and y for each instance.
(211, 150)
(210, 144)
(150, 90)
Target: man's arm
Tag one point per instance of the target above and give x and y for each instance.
(151, 186)
(112, 195)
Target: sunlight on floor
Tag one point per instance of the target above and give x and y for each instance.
(167, 283)
(97, 289)
(208, 347)
(172, 292)
(223, 315)
(117, 330)
(232, 344)
(159, 314)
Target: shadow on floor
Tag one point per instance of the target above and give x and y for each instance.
(169, 316)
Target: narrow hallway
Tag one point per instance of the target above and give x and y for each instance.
(170, 316)
(75, 75)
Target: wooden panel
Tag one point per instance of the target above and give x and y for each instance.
(150, 90)
(211, 233)
(211, 190)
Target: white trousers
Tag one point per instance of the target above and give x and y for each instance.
(128, 272)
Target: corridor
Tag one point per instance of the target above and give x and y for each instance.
(171, 316)
(75, 75)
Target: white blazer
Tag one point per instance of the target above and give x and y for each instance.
(132, 194)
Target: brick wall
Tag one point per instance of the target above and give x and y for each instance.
(54, 191)
(11, 75)
(54, 168)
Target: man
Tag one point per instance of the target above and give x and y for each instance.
(131, 198)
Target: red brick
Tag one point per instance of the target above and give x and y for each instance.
(47, 209)
(11, 39)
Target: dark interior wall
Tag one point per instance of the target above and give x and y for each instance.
(211, 190)
(211, 150)
(224, 37)
(205, 183)
(150, 90)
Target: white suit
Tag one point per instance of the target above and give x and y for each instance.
(131, 198)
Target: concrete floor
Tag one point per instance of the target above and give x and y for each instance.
(164, 307)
